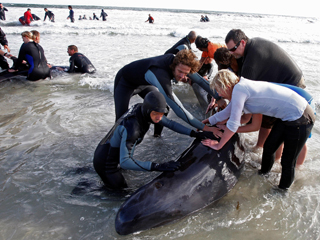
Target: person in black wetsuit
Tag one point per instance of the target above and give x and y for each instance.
(156, 73)
(2, 12)
(33, 54)
(199, 86)
(103, 15)
(184, 43)
(4, 42)
(48, 14)
(263, 60)
(95, 17)
(115, 151)
(79, 63)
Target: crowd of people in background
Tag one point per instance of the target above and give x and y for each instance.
(28, 17)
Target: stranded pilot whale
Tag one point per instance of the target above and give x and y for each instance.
(205, 176)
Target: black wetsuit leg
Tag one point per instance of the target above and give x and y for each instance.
(39, 73)
(122, 95)
(109, 172)
(294, 138)
(123, 91)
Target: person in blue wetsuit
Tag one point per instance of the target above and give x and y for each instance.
(33, 54)
(115, 151)
(156, 73)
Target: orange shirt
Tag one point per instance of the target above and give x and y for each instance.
(212, 48)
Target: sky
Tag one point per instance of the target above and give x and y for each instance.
(306, 8)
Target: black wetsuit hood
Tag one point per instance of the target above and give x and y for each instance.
(153, 101)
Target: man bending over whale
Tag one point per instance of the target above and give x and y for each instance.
(155, 74)
(118, 146)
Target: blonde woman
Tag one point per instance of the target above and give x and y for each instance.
(295, 118)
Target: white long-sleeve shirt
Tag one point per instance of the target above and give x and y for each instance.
(269, 99)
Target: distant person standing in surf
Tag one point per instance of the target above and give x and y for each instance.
(150, 19)
(71, 14)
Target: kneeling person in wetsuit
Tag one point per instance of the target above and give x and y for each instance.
(33, 54)
(117, 147)
(79, 63)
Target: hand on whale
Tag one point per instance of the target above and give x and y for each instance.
(170, 166)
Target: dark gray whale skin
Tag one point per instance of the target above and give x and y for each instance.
(205, 176)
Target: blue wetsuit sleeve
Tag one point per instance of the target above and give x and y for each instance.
(174, 102)
(174, 126)
(126, 151)
(303, 93)
(196, 78)
(181, 47)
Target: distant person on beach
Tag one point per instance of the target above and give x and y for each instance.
(80, 18)
(4, 42)
(95, 17)
(103, 15)
(84, 17)
(2, 12)
(71, 14)
(33, 54)
(184, 43)
(150, 19)
(79, 63)
(48, 14)
(155, 74)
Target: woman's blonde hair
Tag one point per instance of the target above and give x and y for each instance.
(27, 34)
(224, 79)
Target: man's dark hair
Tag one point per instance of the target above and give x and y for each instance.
(236, 35)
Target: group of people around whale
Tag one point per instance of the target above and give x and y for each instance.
(263, 84)
(264, 87)
(32, 62)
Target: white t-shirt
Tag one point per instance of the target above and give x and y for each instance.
(267, 98)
